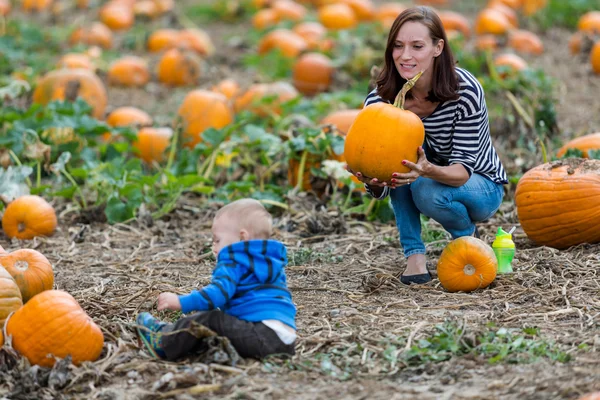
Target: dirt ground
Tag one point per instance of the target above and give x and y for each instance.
(355, 319)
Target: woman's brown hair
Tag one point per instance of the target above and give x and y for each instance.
(444, 80)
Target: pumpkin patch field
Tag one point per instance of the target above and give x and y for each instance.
(126, 124)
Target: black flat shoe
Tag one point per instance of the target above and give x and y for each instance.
(416, 279)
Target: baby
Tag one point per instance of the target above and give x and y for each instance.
(247, 300)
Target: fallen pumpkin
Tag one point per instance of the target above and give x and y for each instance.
(30, 269)
(29, 216)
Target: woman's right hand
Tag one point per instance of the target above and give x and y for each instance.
(367, 180)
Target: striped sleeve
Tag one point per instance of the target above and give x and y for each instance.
(221, 289)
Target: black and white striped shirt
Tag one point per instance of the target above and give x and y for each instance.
(458, 132)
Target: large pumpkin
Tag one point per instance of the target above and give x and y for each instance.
(467, 264)
(203, 109)
(29, 216)
(30, 269)
(312, 73)
(10, 296)
(52, 324)
(68, 84)
(558, 203)
(382, 136)
(582, 143)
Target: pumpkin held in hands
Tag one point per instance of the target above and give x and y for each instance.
(29, 216)
(382, 136)
(52, 324)
(467, 264)
(558, 203)
(30, 269)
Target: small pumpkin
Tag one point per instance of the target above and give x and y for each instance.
(364, 10)
(252, 99)
(127, 116)
(178, 67)
(558, 203)
(525, 42)
(312, 32)
(200, 110)
(455, 21)
(510, 62)
(589, 22)
(337, 16)
(97, 34)
(584, 143)
(30, 269)
(10, 296)
(382, 136)
(196, 39)
(68, 84)
(288, 10)
(531, 7)
(4, 7)
(467, 264)
(228, 87)
(146, 9)
(492, 21)
(29, 216)
(36, 5)
(342, 119)
(76, 60)
(508, 12)
(595, 57)
(162, 39)
(151, 143)
(265, 19)
(289, 43)
(312, 73)
(53, 324)
(486, 42)
(387, 12)
(129, 71)
(117, 16)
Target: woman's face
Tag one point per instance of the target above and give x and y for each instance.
(414, 50)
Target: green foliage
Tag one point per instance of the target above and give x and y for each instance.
(308, 256)
(220, 10)
(561, 13)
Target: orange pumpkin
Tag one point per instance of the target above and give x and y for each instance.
(265, 18)
(508, 12)
(288, 10)
(27, 217)
(595, 57)
(387, 12)
(455, 21)
(4, 7)
(486, 42)
(363, 9)
(252, 98)
(129, 71)
(492, 21)
(342, 120)
(289, 43)
(467, 264)
(312, 73)
(531, 7)
(179, 68)
(146, 9)
(151, 143)
(589, 22)
(10, 296)
(200, 110)
(68, 84)
(97, 34)
(117, 16)
(124, 116)
(162, 39)
(525, 42)
(382, 136)
(30, 269)
(510, 61)
(514, 4)
(76, 60)
(583, 143)
(36, 5)
(52, 324)
(197, 40)
(575, 42)
(228, 87)
(337, 16)
(558, 202)
(312, 32)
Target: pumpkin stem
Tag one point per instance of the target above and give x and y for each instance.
(469, 270)
(21, 227)
(21, 265)
(399, 101)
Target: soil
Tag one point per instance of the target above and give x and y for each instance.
(355, 319)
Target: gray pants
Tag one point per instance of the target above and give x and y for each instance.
(250, 339)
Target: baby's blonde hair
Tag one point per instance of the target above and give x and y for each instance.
(251, 215)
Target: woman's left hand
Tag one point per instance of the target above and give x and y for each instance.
(420, 168)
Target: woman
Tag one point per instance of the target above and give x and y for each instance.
(458, 178)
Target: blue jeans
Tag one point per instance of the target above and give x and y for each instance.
(455, 208)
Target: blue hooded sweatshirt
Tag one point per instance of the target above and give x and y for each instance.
(248, 283)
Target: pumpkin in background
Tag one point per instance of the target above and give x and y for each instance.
(227, 87)
(595, 57)
(364, 10)
(455, 21)
(179, 67)
(162, 39)
(508, 12)
(265, 19)
(589, 22)
(146, 9)
(117, 16)
(30, 269)
(68, 84)
(4, 7)
(514, 4)
(200, 110)
(583, 143)
(525, 42)
(531, 7)
(97, 34)
(289, 43)
(312, 32)
(10, 296)
(382, 136)
(129, 71)
(486, 42)
(512, 62)
(467, 264)
(252, 98)
(337, 16)
(151, 143)
(288, 10)
(558, 203)
(36, 5)
(493, 21)
(196, 40)
(76, 60)
(52, 324)
(341, 119)
(29, 216)
(127, 116)
(312, 73)
(387, 12)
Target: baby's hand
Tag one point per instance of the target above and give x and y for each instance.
(168, 301)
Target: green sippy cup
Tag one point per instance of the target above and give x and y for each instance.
(504, 248)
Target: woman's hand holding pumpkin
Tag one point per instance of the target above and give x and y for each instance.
(168, 301)
(420, 168)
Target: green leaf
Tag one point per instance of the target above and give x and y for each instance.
(117, 210)
(12, 182)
